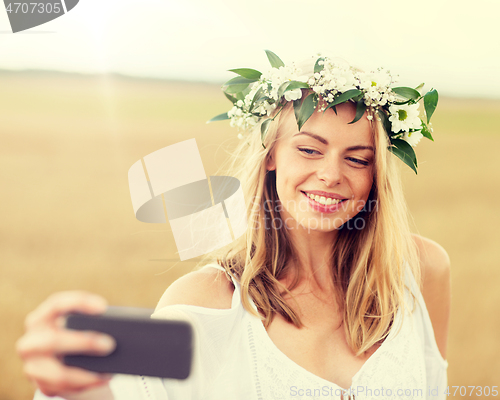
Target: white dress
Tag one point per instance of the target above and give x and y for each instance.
(236, 359)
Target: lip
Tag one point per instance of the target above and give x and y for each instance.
(325, 194)
(323, 208)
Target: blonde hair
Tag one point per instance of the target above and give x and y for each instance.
(367, 264)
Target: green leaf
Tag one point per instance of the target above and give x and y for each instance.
(282, 88)
(274, 59)
(247, 73)
(359, 97)
(420, 86)
(296, 85)
(306, 109)
(385, 122)
(220, 117)
(317, 67)
(239, 80)
(430, 103)
(406, 92)
(291, 85)
(296, 108)
(231, 98)
(426, 132)
(260, 100)
(405, 152)
(257, 95)
(360, 110)
(245, 91)
(400, 103)
(235, 89)
(263, 130)
(405, 146)
(344, 97)
(238, 84)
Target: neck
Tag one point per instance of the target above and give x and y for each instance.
(313, 249)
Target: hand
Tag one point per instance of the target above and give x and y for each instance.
(46, 340)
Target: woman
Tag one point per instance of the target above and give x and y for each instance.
(320, 298)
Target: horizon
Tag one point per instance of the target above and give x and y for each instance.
(445, 45)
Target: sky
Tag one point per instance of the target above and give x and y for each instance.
(450, 45)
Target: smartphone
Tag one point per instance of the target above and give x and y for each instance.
(145, 346)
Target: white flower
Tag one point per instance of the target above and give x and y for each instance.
(240, 136)
(345, 80)
(404, 117)
(378, 80)
(232, 112)
(412, 137)
(294, 94)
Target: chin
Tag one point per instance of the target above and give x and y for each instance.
(320, 224)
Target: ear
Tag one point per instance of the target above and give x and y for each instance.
(270, 164)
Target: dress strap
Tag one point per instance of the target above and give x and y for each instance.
(236, 301)
(427, 323)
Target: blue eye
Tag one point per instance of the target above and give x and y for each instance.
(308, 151)
(357, 161)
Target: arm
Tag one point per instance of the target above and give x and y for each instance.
(436, 288)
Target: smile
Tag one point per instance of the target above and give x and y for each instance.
(329, 206)
(326, 201)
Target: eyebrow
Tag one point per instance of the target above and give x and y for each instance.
(324, 141)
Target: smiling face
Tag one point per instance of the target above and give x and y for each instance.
(329, 160)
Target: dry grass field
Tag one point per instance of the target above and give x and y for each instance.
(67, 142)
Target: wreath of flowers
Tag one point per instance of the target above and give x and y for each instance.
(256, 95)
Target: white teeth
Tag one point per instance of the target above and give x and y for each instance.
(323, 200)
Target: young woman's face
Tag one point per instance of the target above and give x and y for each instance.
(330, 160)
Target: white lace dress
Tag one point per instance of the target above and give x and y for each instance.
(236, 359)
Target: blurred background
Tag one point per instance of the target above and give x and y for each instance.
(85, 96)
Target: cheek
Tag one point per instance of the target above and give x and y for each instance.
(290, 173)
(368, 186)
(364, 187)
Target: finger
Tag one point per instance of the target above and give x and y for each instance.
(61, 303)
(100, 390)
(51, 342)
(52, 377)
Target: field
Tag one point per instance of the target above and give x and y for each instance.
(67, 142)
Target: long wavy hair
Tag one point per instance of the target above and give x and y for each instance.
(368, 264)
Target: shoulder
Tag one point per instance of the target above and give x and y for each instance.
(436, 287)
(434, 259)
(207, 287)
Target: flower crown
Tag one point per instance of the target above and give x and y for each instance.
(255, 96)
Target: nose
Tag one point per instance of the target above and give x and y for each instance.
(330, 172)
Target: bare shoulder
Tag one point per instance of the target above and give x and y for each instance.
(207, 287)
(436, 287)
